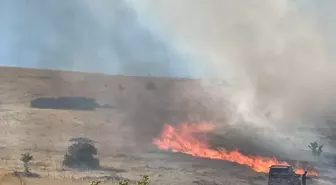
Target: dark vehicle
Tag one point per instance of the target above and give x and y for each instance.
(283, 175)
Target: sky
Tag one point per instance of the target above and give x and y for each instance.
(83, 35)
(101, 36)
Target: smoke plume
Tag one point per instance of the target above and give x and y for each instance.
(273, 55)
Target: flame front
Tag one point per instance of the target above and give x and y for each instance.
(182, 139)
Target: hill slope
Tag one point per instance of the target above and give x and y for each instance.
(135, 110)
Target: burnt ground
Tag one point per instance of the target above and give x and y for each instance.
(138, 108)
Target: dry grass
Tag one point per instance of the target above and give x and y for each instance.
(123, 134)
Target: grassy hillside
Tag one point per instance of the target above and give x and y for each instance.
(137, 109)
(127, 113)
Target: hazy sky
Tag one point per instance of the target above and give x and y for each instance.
(100, 36)
(82, 35)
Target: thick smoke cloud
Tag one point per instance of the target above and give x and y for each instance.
(274, 55)
(81, 35)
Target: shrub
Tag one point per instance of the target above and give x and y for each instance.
(143, 181)
(123, 182)
(95, 182)
(121, 87)
(26, 158)
(151, 86)
(81, 155)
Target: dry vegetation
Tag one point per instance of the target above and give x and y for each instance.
(138, 108)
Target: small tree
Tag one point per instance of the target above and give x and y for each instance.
(316, 149)
(81, 154)
(26, 158)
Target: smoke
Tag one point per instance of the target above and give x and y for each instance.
(274, 55)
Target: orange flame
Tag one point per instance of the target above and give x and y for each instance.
(182, 139)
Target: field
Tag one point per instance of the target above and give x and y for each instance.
(130, 112)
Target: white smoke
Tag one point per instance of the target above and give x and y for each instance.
(273, 55)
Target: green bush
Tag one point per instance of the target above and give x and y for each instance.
(81, 155)
(26, 158)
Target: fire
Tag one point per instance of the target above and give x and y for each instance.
(182, 139)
